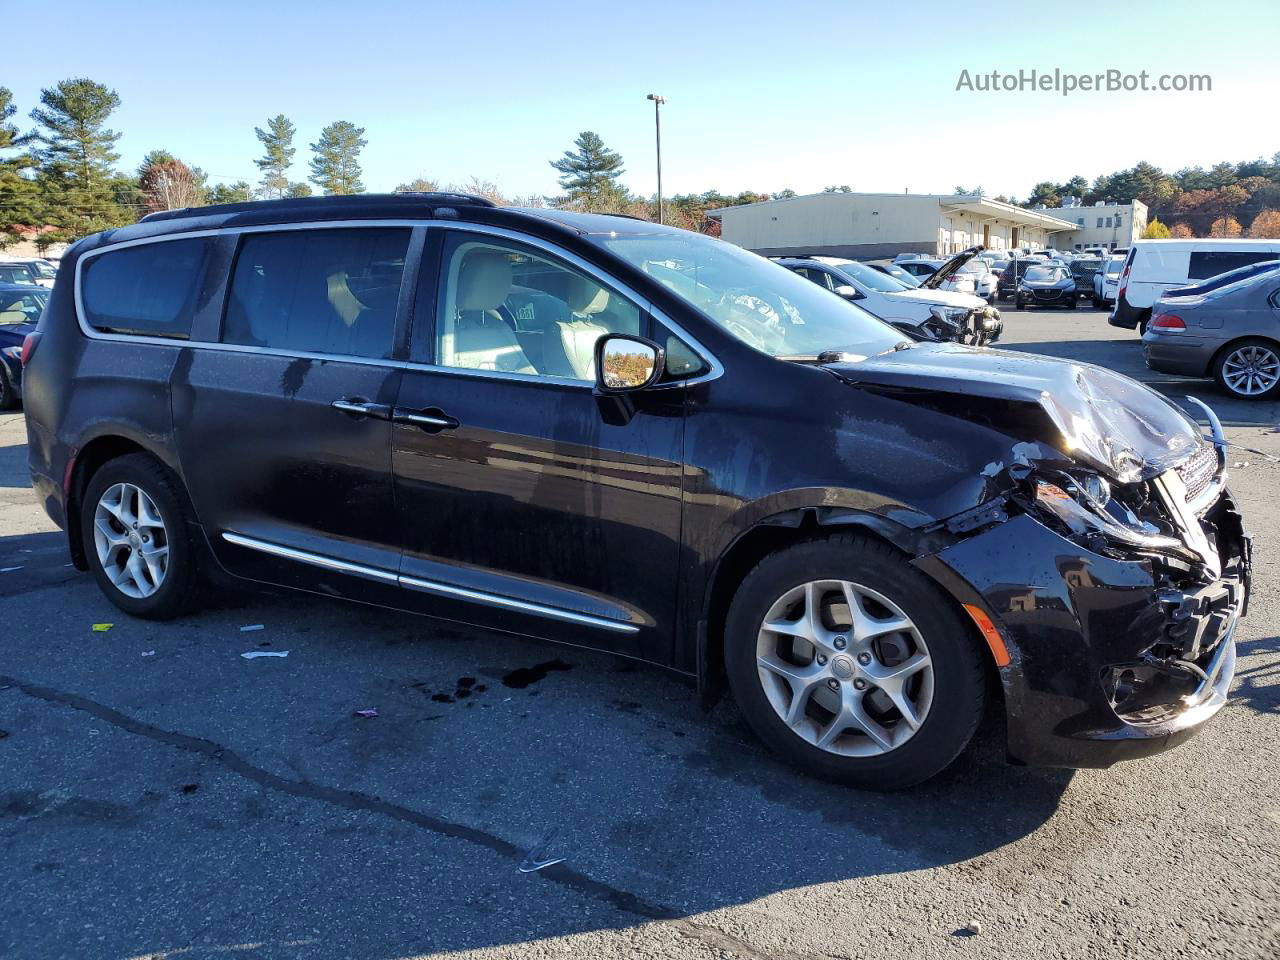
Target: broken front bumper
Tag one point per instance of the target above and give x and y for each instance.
(1106, 663)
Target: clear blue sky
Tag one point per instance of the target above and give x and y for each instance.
(760, 95)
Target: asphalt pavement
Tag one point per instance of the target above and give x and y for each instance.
(161, 796)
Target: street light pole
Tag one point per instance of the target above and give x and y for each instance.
(657, 129)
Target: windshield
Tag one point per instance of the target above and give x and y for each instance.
(870, 277)
(764, 305)
(21, 307)
(978, 267)
(902, 276)
(1044, 274)
(1235, 286)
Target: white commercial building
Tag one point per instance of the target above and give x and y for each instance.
(1108, 225)
(873, 225)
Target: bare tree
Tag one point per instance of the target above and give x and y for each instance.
(169, 184)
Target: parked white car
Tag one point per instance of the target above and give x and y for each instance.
(43, 272)
(1154, 266)
(940, 313)
(1107, 281)
(984, 282)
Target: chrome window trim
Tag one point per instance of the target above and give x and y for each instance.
(427, 586)
(716, 368)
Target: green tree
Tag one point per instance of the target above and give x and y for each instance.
(1155, 230)
(589, 173)
(75, 153)
(842, 188)
(298, 190)
(969, 192)
(19, 200)
(238, 192)
(277, 143)
(335, 168)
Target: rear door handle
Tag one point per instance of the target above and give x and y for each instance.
(362, 408)
(433, 418)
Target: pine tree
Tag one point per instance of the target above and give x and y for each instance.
(18, 197)
(238, 192)
(75, 153)
(277, 140)
(335, 168)
(590, 173)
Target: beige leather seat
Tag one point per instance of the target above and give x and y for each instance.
(481, 339)
(586, 301)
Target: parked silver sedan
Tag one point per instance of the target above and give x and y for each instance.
(1231, 333)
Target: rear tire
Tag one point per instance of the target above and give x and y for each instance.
(1071, 303)
(889, 753)
(137, 538)
(1020, 303)
(8, 396)
(1252, 363)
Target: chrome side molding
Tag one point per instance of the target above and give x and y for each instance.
(428, 586)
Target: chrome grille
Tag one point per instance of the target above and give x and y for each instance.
(1198, 472)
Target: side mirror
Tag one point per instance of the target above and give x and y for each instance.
(847, 291)
(626, 363)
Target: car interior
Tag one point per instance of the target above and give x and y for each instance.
(508, 310)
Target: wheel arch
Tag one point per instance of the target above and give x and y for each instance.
(765, 536)
(92, 455)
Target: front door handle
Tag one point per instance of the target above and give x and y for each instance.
(432, 418)
(362, 408)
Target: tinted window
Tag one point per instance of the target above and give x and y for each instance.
(1213, 262)
(507, 308)
(317, 291)
(149, 290)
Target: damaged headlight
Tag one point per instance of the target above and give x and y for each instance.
(949, 316)
(1083, 504)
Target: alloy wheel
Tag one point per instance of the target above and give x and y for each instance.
(844, 668)
(131, 540)
(1251, 370)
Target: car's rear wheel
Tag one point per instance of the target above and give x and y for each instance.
(852, 665)
(8, 396)
(1020, 303)
(137, 540)
(1249, 369)
(1071, 303)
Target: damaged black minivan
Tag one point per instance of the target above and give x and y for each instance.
(634, 438)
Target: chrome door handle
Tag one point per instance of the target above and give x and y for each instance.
(363, 408)
(432, 419)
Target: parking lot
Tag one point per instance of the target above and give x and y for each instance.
(162, 796)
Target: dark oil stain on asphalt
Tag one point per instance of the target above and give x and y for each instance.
(463, 689)
(523, 676)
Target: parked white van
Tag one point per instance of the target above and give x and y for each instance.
(1154, 266)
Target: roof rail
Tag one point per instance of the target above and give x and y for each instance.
(320, 204)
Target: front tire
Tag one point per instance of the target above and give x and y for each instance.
(136, 537)
(1020, 303)
(852, 665)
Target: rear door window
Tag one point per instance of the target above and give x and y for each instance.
(148, 290)
(331, 291)
(1210, 263)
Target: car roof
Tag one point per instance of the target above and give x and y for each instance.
(22, 288)
(372, 206)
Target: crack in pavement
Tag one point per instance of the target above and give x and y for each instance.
(575, 880)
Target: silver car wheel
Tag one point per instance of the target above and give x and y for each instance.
(131, 540)
(844, 668)
(1251, 369)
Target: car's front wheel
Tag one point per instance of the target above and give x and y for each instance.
(1249, 369)
(852, 665)
(136, 538)
(8, 396)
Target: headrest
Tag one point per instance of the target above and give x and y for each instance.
(484, 280)
(585, 297)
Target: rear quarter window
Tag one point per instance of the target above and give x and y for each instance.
(149, 290)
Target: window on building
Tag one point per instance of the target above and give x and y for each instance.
(1099, 221)
(1109, 221)
(318, 291)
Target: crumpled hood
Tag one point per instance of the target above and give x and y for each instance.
(1106, 421)
(941, 298)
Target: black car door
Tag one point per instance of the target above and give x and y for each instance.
(526, 503)
(284, 427)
